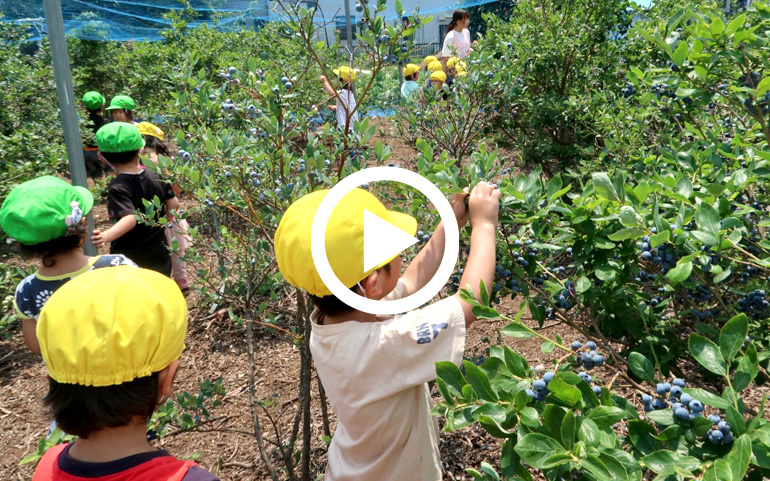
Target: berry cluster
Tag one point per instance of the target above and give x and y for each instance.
(184, 154)
(628, 91)
(540, 387)
(589, 358)
(721, 432)
(662, 90)
(664, 255)
(254, 112)
(755, 304)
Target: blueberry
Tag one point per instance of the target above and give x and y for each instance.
(646, 398)
(530, 393)
(676, 391)
(591, 345)
(715, 436)
(685, 399)
(724, 427)
(727, 438)
(714, 418)
(678, 382)
(682, 413)
(576, 345)
(648, 408)
(696, 406)
(597, 390)
(659, 404)
(588, 378)
(694, 415)
(548, 377)
(598, 361)
(676, 406)
(660, 389)
(539, 384)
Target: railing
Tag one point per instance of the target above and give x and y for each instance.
(420, 50)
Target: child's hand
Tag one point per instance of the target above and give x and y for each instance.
(483, 204)
(460, 208)
(322, 78)
(98, 239)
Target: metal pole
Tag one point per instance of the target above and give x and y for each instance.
(69, 117)
(348, 26)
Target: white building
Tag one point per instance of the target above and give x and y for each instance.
(427, 38)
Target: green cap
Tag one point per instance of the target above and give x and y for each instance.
(119, 137)
(121, 102)
(93, 100)
(42, 209)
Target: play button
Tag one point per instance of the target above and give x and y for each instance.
(382, 240)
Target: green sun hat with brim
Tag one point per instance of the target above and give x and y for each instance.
(119, 137)
(42, 209)
(121, 102)
(93, 100)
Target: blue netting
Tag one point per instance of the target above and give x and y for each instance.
(125, 20)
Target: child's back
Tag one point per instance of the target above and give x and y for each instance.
(144, 244)
(111, 362)
(47, 218)
(120, 144)
(375, 369)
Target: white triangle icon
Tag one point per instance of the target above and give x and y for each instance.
(382, 240)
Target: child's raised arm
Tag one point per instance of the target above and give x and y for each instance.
(121, 227)
(327, 86)
(483, 205)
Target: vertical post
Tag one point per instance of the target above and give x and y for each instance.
(66, 94)
(348, 26)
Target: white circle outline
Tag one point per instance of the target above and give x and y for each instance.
(429, 290)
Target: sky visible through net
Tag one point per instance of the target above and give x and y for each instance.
(144, 20)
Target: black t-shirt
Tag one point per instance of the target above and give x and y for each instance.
(97, 121)
(143, 244)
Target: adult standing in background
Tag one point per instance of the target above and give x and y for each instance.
(457, 42)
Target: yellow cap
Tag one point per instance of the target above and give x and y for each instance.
(438, 75)
(436, 66)
(112, 325)
(429, 59)
(345, 73)
(146, 128)
(410, 69)
(344, 239)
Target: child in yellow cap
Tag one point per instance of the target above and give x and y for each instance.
(177, 228)
(120, 144)
(411, 75)
(345, 107)
(375, 369)
(432, 68)
(47, 217)
(111, 362)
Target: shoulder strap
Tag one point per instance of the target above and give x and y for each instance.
(179, 475)
(47, 468)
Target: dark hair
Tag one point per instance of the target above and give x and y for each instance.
(344, 84)
(411, 77)
(120, 158)
(84, 410)
(72, 239)
(157, 145)
(456, 17)
(332, 306)
(129, 113)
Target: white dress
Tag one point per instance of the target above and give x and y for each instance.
(457, 44)
(348, 98)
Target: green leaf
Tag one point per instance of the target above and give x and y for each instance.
(707, 219)
(568, 430)
(535, 448)
(735, 420)
(707, 354)
(480, 382)
(582, 284)
(748, 369)
(641, 367)
(683, 187)
(641, 435)
(452, 376)
(733, 335)
(763, 87)
(664, 461)
(680, 54)
(485, 312)
(556, 460)
(707, 398)
(627, 233)
(565, 392)
(589, 432)
(662, 416)
(492, 427)
(680, 273)
(529, 417)
(604, 187)
(443, 389)
(595, 466)
(547, 346)
(739, 457)
(517, 330)
(660, 238)
(605, 416)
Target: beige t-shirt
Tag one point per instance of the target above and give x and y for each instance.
(375, 376)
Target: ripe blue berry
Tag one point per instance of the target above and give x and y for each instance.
(696, 406)
(539, 384)
(685, 398)
(715, 436)
(659, 404)
(548, 377)
(591, 345)
(714, 418)
(682, 413)
(678, 382)
(727, 438)
(598, 360)
(660, 389)
(724, 427)
(676, 391)
(646, 398)
(597, 390)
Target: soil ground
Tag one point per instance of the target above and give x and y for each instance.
(216, 347)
